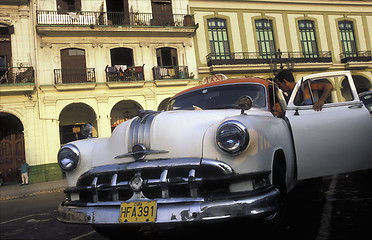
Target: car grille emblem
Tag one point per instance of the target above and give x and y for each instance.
(136, 183)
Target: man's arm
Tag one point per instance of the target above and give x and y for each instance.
(327, 90)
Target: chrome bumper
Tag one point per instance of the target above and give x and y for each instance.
(257, 203)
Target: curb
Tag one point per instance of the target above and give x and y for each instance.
(31, 194)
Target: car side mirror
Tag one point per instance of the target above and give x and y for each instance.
(245, 103)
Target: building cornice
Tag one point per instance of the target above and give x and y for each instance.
(307, 2)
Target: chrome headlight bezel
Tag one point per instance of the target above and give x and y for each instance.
(68, 157)
(232, 137)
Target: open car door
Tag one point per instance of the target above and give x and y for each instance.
(336, 139)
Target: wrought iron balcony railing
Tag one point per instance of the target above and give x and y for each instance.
(80, 75)
(124, 73)
(16, 75)
(170, 72)
(236, 58)
(359, 56)
(114, 18)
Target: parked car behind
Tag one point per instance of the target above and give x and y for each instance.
(366, 98)
(222, 150)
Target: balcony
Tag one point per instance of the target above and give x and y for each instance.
(243, 62)
(17, 79)
(171, 75)
(53, 23)
(123, 76)
(359, 56)
(240, 58)
(170, 72)
(16, 75)
(75, 79)
(124, 73)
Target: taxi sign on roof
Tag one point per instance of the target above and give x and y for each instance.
(215, 78)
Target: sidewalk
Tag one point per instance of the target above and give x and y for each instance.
(13, 191)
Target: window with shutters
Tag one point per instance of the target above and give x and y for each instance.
(265, 38)
(218, 38)
(347, 38)
(308, 39)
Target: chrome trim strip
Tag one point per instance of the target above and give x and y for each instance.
(140, 134)
(146, 130)
(140, 130)
(161, 163)
(146, 152)
(133, 129)
(223, 166)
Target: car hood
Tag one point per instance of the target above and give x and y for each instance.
(181, 133)
(170, 134)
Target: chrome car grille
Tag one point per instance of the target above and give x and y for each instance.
(162, 179)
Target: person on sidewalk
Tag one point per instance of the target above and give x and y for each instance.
(24, 172)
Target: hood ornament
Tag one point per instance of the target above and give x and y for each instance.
(139, 152)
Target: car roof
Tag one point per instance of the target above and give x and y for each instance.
(262, 81)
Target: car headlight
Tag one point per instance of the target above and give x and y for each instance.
(232, 137)
(68, 157)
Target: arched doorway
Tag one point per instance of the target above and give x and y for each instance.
(162, 106)
(73, 119)
(362, 84)
(12, 146)
(123, 111)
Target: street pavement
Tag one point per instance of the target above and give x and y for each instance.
(14, 191)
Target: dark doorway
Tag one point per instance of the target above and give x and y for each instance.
(68, 5)
(166, 56)
(122, 56)
(73, 65)
(118, 12)
(12, 146)
(162, 14)
(5, 53)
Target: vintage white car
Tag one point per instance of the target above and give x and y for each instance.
(222, 150)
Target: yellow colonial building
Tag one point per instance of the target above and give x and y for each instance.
(260, 37)
(68, 63)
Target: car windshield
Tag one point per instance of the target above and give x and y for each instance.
(219, 97)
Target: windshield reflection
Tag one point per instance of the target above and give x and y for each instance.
(219, 97)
